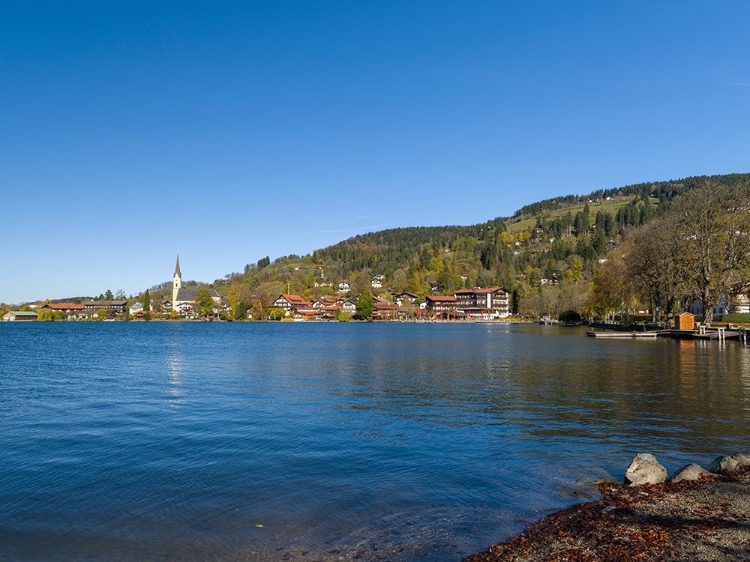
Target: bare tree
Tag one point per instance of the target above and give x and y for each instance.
(713, 223)
(654, 267)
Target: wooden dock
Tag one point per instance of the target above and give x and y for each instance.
(651, 335)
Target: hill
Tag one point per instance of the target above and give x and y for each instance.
(546, 253)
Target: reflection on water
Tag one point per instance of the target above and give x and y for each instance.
(175, 361)
(393, 442)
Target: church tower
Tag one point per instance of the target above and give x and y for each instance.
(177, 283)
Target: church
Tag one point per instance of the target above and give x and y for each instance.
(183, 298)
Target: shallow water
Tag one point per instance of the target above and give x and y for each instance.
(151, 441)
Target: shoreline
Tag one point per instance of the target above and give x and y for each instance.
(699, 520)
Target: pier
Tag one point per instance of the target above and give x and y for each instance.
(702, 332)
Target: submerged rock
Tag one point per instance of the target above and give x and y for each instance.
(689, 472)
(645, 469)
(729, 463)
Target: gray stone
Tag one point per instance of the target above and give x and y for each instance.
(689, 472)
(729, 463)
(645, 469)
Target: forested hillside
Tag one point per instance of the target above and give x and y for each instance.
(546, 254)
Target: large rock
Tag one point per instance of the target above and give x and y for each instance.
(730, 463)
(645, 469)
(689, 472)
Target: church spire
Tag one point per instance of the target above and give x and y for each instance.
(177, 272)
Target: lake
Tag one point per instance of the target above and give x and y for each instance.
(315, 441)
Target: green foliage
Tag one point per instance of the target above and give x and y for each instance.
(560, 239)
(204, 304)
(108, 295)
(343, 316)
(736, 318)
(570, 316)
(240, 311)
(277, 313)
(45, 315)
(146, 301)
(364, 306)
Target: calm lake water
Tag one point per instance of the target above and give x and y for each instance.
(173, 441)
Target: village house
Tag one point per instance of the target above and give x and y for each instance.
(20, 316)
(115, 307)
(741, 304)
(384, 310)
(72, 310)
(350, 306)
(405, 298)
(136, 308)
(344, 287)
(377, 281)
(291, 303)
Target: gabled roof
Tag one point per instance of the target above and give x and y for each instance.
(106, 303)
(191, 293)
(22, 313)
(295, 300)
(440, 298)
(64, 306)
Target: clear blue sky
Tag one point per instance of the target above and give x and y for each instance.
(228, 131)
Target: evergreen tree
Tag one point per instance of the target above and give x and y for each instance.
(364, 305)
(146, 301)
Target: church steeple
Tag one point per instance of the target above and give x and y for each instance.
(177, 283)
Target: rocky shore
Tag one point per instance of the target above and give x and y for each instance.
(696, 514)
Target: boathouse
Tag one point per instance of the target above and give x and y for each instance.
(684, 321)
(19, 316)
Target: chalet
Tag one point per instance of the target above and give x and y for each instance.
(441, 305)
(291, 303)
(344, 287)
(377, 281)
(405, 298)
(136, 308)
(486, 304)
(350, 306)
(384, 311)
(307, 313)
(20, 316)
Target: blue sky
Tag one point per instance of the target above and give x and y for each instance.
(228, 131)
